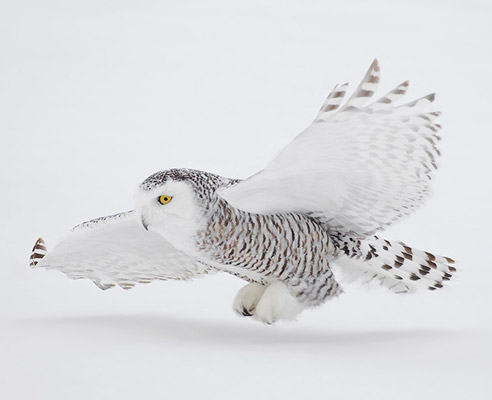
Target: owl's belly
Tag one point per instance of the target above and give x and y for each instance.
(241, 272)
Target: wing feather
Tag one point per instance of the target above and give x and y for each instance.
(333, 101)
(359, 168)
(366, 88)
(387, 102)
(116, 250)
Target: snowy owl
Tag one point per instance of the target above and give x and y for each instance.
(290, 229)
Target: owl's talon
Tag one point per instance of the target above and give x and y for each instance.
(246, 313)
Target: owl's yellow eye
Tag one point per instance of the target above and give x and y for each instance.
(165, 199)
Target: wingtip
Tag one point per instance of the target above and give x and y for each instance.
(38, 252)
(375, 64)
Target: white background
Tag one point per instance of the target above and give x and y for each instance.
(97, 95)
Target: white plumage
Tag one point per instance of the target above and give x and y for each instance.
(116, 250)
(359, 167)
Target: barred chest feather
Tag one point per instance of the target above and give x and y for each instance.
(263, 248)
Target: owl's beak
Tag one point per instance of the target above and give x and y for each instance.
(144, 223)
(144, 219)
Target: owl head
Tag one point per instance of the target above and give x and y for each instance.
(175, 202)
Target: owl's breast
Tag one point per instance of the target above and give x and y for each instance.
(263, 247)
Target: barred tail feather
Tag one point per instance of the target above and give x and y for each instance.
(392, 264)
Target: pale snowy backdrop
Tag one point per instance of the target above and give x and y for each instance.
(97, 95)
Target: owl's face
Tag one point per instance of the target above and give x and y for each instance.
(170, 209)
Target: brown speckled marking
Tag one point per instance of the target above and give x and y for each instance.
(291, 248)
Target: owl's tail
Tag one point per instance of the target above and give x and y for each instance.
(399, 267)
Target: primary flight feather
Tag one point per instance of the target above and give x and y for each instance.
(359, 167)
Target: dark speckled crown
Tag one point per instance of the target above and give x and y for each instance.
(205, 184)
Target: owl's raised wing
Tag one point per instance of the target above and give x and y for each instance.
(116, 250)
(357, 167)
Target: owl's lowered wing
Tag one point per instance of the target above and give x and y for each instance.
(357, 167)
(116, 250)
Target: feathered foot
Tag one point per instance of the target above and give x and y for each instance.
(277, 303)
(247, 298)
